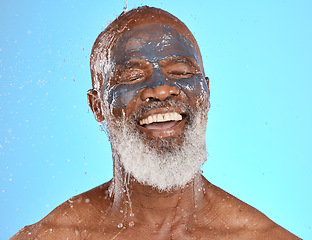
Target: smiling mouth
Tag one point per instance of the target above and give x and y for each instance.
(161, 120)
(162, 123)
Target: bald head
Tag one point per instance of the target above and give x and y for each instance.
(101, 62)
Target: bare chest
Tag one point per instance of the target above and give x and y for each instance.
(164, 233)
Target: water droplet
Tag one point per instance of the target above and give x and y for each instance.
(120, 225)
(131, 224)
(87, 200)
(131, 214)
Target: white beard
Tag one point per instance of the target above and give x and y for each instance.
(165, 170)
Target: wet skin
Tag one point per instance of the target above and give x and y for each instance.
(145, 70)
(152, 56)
(165, 216)
(152, 63)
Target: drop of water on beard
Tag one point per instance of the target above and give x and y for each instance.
(131, 224)
(120, 225)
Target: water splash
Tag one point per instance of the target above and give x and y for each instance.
(126, 6)
(128, 193)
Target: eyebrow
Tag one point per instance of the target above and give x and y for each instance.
(131, 64)
(180, 59)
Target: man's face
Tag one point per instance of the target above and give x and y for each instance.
(156, 106)
(155, 68)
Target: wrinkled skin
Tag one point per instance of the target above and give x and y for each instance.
(200, 210)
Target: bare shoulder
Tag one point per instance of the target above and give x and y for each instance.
(241, 220)
(68, 219)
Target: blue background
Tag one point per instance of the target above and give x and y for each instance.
(257, 55)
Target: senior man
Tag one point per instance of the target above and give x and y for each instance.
(150, 90)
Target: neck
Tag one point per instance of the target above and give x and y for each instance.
(137, 202)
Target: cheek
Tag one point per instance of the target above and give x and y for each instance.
(193, 87)
(121, 95)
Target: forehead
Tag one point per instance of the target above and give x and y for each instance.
(152, 42)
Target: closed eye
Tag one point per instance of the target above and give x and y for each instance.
(179, 70)
(133, 71)
(131, 76)
(179, 67)
(181, 73)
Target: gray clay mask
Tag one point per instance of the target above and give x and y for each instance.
(151, 56)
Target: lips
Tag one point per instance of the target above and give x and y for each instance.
(162, 122)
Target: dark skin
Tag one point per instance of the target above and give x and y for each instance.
(199, 210)
(156, 216)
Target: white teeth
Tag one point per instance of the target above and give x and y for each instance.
(161, 117)
(154, 118)
(149, 119)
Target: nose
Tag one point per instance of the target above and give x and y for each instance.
(160, 92)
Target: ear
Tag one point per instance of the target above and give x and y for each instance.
(207, 81)
(95, 104)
